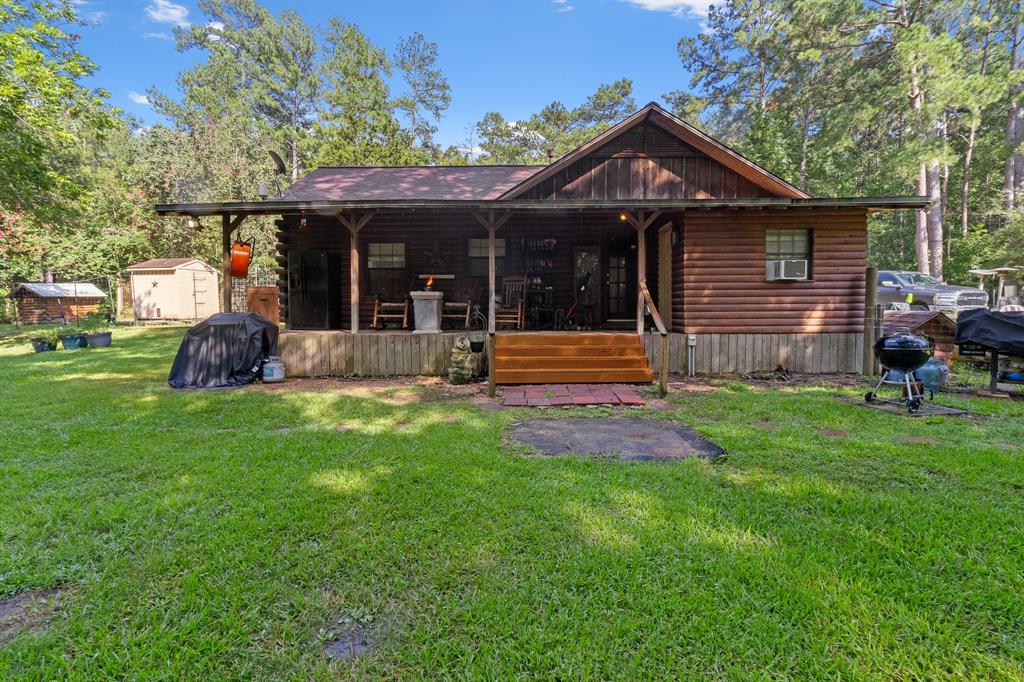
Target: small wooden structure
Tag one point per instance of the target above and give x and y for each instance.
(67, 302)
(173, 289)
(931, 324)
(263, 300)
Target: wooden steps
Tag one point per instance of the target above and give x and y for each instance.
(570, 357)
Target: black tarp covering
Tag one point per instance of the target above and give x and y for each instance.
(1000, 331)
(226, 349)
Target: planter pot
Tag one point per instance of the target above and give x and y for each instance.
(42, 345)
(73, 341)
(98, 340)
(476, 346)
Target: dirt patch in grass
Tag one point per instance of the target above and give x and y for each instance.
(833, 434)
(353, 643)
(621, 437)
(29, 611)
(394, 390)
(765, 426)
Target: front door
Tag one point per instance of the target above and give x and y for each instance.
(620, 280)
(586, 275)
(308, 305)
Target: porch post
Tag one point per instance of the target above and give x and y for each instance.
(354, 222)
(491, 224)
(227, 226)
(225, 243)
(641, 269)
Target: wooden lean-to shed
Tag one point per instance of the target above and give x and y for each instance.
(46, 303)
(931, 324)
(173, 289)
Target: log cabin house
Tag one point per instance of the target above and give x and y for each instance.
(651, 248)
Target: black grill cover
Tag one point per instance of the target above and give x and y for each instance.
(1000, 331)
(226, 349)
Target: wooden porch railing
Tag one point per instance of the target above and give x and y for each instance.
(645, 299)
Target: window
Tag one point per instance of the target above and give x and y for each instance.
(787, 254)
(476, 260)
(385, 265)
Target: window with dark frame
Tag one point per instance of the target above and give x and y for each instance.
(385, 265)
(786, 245)
(476, 258)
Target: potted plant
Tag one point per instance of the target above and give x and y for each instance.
(46, 341)
(72, 338)
(97, 331)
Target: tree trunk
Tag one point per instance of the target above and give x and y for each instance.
(921, 225)
(966, 185)
(1014, 128)
(934, 219)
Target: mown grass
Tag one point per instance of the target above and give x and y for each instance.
(229, 534)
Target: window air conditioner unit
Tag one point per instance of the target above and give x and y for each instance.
(787, 269)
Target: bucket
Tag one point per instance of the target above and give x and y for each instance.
(73, 341)
(273, 370)
(241, 256)
(98, 340)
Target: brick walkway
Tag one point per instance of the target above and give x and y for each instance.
(553, 395)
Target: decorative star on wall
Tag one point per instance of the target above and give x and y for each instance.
(436, 259)
(154, 284)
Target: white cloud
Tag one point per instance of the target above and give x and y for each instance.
(158, 35)
(678, 8)
(563, 5)
(138, 98)
(167, 12)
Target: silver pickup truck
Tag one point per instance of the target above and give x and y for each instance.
(924, 292)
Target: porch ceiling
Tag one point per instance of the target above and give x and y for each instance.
(239, 208)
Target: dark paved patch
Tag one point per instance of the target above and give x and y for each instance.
(564, 395)
(28, 612)
(927, 409)
(628, 439)
(349, 645)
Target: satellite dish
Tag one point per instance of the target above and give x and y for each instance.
(278, 161)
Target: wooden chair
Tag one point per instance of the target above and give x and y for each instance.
(510, 309)
(459, 309)
(384, 312)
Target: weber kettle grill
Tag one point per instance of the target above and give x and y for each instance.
(900, 354)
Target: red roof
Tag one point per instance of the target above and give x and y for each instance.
(374, 183)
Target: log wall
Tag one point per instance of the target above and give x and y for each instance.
(33, 309)
(722, 268)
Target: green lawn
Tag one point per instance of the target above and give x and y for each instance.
(230, 534)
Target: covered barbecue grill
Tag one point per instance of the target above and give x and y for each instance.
(985, 331)
(226, 349)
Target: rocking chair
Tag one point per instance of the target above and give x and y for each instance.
(391, 311)
(510, 309)
(459, 310)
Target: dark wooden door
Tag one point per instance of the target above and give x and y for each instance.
(308, 304)
(620, 280)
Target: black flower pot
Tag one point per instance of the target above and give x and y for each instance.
(42, 345)
(98, 340)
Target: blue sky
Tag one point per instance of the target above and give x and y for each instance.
(513, 56)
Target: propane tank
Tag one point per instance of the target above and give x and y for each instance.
(273, 370)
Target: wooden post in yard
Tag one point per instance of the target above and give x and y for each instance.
(354, 222)
(870, 299)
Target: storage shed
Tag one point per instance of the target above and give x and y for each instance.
(937, 327)
(173, 289)
(45, 303)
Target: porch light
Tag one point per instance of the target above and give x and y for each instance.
(302, 224)
(623, 217)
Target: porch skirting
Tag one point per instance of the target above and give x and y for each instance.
(398, 353)
(838, 353)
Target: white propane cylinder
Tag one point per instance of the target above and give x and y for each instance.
(273, 370)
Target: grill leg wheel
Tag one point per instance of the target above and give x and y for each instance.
(869, 397)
